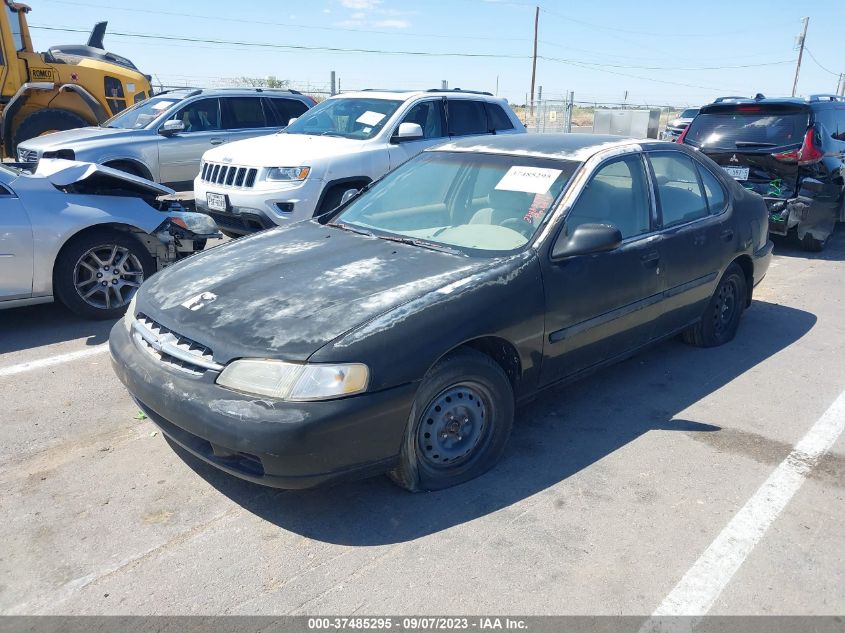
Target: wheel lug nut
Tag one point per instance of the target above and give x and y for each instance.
(99, 275)
(105, 283)
(114, 281)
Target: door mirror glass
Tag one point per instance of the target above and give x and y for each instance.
(587, 239)
(348, 195)
(173, 126)
(408, 132)
(292, 120)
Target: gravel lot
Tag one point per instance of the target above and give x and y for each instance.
(610, 492)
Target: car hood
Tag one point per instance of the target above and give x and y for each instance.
(288, 150)
(287, 292)
(59, 140)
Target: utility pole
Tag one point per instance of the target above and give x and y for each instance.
(841, 85)
(333, 83)
(534, 59)
(801, 40)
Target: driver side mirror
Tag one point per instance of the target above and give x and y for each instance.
(408, 132)
(348, 195)
(173, 126)
(587, 239)
(292, 120)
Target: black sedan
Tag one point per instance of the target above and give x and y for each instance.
(397, 333)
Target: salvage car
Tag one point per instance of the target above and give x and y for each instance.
(87, 235)
(676, 126)
(163, 138)
(341, 145)
(791, 151)
(499, 266)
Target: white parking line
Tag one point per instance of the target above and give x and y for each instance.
(701, 586)
(50, 361)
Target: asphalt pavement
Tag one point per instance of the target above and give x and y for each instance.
(612, 496)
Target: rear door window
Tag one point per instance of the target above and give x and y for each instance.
(749, 127)
(280, 111)
(497, 119)
(466, 117)
(678, 188)
(242, 113)
(716, 196)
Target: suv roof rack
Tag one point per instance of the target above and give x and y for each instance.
(470, 92)
(387, 90)
(193, 91)
(825, 97)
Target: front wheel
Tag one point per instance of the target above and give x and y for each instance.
(720, 321)
(97, 274)
(459, 424)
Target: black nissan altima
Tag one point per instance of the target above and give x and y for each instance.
(397, 332)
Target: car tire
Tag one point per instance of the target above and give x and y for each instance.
(812, 245)
(721, 318)
(459, 423)
(76, 269)
(45, 121)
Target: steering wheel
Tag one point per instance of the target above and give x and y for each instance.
(520, 225)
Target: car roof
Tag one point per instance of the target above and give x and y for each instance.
(405, 95)
(560, 146)
(185, 93)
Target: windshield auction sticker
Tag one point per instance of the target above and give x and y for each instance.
(528, 179)
(370, 118)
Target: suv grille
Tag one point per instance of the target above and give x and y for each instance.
(27, 156)
(171, 348)
(228, 175)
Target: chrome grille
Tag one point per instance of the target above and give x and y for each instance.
(27, 155)
(228, 175)
(172, 349)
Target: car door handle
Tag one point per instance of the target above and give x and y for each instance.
(650, 259)
(217, 141)
(728, 235)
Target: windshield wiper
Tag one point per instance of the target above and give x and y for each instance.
(346, 227)
(413, 241)
(754, 144)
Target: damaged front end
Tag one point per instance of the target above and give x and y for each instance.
(136, 202)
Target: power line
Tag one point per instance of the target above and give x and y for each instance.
(401, 33)
(813, 57)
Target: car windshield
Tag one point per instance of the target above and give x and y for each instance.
(356, 118)
(142, 114)
(748, 127)
(475, 204)
(689, 113)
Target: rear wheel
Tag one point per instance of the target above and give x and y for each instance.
(459, 424)
(97, 273)
(45, 121)
(721, 317)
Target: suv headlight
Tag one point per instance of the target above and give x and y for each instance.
(288, 174)
(293, 381)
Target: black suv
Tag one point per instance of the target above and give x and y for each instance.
(790, 151)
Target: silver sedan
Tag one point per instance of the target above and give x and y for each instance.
(87, 235)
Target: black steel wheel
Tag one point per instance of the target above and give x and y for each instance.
(720, 321)
(459, 424)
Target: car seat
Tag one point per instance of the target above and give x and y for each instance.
(504, 205)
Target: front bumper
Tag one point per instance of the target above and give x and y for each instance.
(274, 443)
(263, 206)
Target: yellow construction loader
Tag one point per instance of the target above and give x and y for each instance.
(64, 88)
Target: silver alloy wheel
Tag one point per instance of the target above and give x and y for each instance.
(108, 276)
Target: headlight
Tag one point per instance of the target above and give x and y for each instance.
(130, 313)
(292, 381)
(288, 174)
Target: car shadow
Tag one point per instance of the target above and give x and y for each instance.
(45, 324)
(834, 249)
(562, 432)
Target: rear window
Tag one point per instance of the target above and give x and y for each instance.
(748, 127)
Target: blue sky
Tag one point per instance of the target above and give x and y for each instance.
(679, 53)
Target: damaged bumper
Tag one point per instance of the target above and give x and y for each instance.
(274, 443)
(802, 214)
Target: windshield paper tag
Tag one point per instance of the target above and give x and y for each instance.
(528, 179)
(370, 118)
(161, 105)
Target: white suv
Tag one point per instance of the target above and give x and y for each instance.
(342, 144)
